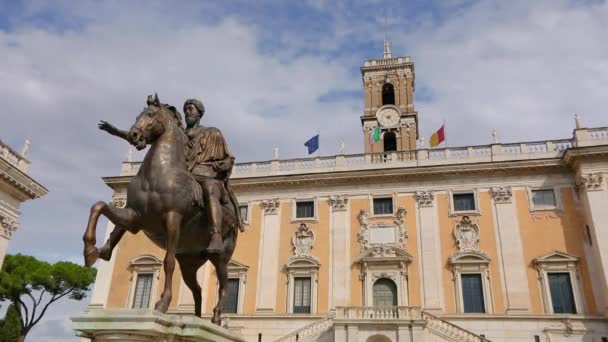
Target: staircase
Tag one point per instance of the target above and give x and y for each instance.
(438, 329)
(309, 332)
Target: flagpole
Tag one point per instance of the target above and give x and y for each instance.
(319, 140)
(445, 136)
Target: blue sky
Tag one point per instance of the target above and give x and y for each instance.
(271, 74)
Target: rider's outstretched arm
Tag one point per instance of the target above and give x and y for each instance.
(105, 126)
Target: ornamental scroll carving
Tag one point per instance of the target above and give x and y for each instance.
(338, 203)
(8, 226)
(502, 194)
(591, 181)
(424, 198)
(303, 240)
(467, 234)
(271, 206)
(366, 227)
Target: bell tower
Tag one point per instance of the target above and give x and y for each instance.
(389, 120)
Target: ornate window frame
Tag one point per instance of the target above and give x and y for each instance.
(302, 266)
(556, 194)
(237, 270)
(454, 212)
(471, 262)
(392, 196)
(144, 264)
(314, 218)
(559, 262)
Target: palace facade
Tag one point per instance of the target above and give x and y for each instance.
(16, 187)
(500, 242)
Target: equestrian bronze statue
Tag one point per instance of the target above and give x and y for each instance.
(180, 198)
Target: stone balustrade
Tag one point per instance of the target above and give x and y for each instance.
(309, 331)
(416, 158)
(443, 328)
(378, 313)
(14, 158)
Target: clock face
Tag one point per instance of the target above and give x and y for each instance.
(388, 116)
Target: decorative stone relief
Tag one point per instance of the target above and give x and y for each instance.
(364, 232)
(382, 251)
(502, 194)
(424, 198)
(377, 276)
(8, 226)
(338, 203)
(303, 240)
(591, 181)
(271, 206)
(467, 234)
(118, 201)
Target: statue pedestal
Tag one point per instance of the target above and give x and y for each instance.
(148, 326)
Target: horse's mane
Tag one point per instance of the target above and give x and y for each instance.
(176, 115)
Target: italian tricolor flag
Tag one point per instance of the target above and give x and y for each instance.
(437, 137)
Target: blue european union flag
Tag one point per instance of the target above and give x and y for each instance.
(312, 144)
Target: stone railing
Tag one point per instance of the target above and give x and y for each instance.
(309, 331)
(387, 61)
(14, 158)
(416, 158)
(378, 313)
(449, 331)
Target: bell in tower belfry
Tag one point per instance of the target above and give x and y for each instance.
(390, 123)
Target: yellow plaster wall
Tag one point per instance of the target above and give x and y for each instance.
(411, 246)
(487, 244)
(553, 230)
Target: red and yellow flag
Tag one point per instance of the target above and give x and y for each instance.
(437, 137)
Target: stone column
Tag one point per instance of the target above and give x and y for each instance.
(594, 200)
(269, 256)
(7, 227)
(339, 228)
(430, 252)
(510, 250)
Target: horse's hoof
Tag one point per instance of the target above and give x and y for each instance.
(216, 320)
(161, 306)
(91, 254)
(105, 253)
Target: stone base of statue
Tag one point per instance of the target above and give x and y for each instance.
(148, 326)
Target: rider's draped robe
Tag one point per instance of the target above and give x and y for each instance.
(207, 145)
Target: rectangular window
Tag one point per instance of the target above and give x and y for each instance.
(472, 293)
(301, 294)
(561, 293)
(305, 209)
(143, 290)
(536, 338)
(244, 209)
(232, 296)
(383, 206)
(464, 202)
(543, 198)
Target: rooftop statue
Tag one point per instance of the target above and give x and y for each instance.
(180, 198)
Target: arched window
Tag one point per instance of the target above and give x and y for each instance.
(385, 292)
(378, 338)
(390, 141)
(388, 94)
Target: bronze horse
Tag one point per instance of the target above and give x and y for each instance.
(164, 201)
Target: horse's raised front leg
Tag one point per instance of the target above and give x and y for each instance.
(221, 269)
(173, 223)
(121, 217)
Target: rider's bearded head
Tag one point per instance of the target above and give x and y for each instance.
(193, 118)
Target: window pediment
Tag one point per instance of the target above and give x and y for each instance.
(234, 265)
(556, 257)
(295, 262)
(146, 260)
(469, 257)
(384, 253)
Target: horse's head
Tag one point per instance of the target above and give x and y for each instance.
(152, 122)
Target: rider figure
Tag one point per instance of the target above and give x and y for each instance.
(210, 162)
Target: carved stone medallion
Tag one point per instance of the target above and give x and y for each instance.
(467, 234)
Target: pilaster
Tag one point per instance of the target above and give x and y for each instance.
(269, 256)
(510, 250)
(340, 252)
(430, 252)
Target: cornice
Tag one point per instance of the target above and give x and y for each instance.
(573, 155)
(26, 185)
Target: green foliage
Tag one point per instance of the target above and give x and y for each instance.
(31, 284)
(10, 326)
